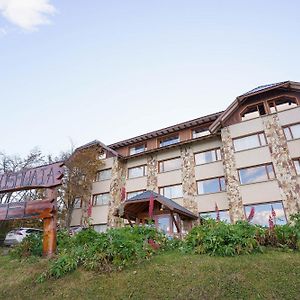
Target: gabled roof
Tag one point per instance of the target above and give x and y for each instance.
(216, 125)
(169, 203)
(97, 143)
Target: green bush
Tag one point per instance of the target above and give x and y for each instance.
(32, 245)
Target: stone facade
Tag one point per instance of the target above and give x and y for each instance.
(118, 178)
(189, 185)
(235, 202)
(283, 165)
(152, 173)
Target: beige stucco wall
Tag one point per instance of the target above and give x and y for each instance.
(99, 214)
(135, 184)
(207, 144)
(169, 178)
(289, 116)
(294, 148)
(246, 127)
(76, 217)
(214, 169)
(101, 187)
(252, 157)
(260, 192)
(208, 202)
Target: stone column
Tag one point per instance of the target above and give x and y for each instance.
(118, 177)
(189, 185)
(236, 209)
(152, 173)
(283, 165)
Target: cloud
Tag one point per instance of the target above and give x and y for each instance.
(27, 14)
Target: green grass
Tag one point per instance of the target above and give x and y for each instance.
(272, 275)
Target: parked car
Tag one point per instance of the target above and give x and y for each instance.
(16, 236)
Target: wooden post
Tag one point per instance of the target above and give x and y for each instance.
(50, 223)
(176, 224)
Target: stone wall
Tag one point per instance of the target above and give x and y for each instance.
(236, 209)
(283, 165)
(189, 185)
(152, 173)
(118, 178)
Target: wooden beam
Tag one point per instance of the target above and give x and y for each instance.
(175, 222)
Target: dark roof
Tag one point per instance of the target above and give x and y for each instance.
(167, 130)
(97, 143)
(172, 205)
(261, 88)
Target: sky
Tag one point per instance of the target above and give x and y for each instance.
(75, 71)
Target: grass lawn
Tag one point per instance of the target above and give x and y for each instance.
(273, 275)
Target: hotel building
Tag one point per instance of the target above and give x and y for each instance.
(246, 156)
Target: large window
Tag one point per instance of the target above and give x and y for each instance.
(292, 132)
(137, 171)
(256, 174)
(137, 149)
(297, 165)
(172, 191)
(224, 215)
(282, 104)
(101, 199)
(213, 185)
(199, 132)
(169, 141)
(250, 141)
(263, 212)
(253, 112)
(207, 156)
(170, 164)
(133, 194)
(103, 175)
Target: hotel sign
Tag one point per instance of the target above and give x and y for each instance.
(41, 177)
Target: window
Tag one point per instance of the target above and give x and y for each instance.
(172, 191)
(101, 199)
(169, 141)
(224, 215)
(213, 185)
(133, 194)
(137, 149)
(207, 156)
(282, 104)
(262, 213)
(297, 165)
(253, 112)
(256, 174)
(103, 175)
(103, 155)
(100, 228)
(292, 132)
(199, 132)
(169, 165)
(250, 141)
(77, 203)
(137, 171)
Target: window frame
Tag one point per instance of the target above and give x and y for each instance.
(273, 101)
(294, 163)
(95, 196)
(213, 211)
(211, 178)
(137, 191)
(248, 107)
(290, 131)
(202, 130)
(80, 203)
(210, 150)
(257, 166)
(103, 170)
(163, 139)
(258, 134)
(171, 185)
(137, 145)
(145, 171)
(162, 161)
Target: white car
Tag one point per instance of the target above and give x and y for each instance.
(16, 236)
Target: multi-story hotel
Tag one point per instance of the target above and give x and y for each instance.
(224, 164)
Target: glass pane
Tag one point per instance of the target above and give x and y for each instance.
(224, 215)
(205, 157)
(208, 186)
(169, 165)
(169, 141)
(295, 131)
(136, 172)
(101, 199)
(218, 153)
(287, 133)
(271, 171)
(104, 175)
(137, 149)
(164, 224)
(254, 174)
(77, 203)
(200, 132)
(247, 142)
(297, 166)
(285, 104)
(222, 183)
(100, 228)
(133, 194)
(262, 212)
(171, 192)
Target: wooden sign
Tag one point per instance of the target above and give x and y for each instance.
(41, 177)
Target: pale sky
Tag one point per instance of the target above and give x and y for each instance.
(110, 70)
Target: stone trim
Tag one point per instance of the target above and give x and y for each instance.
(236, 208)
(283, 165)
(152, 166)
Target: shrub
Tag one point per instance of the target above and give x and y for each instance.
(32, 245)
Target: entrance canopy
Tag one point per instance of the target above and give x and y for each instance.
(137, 206)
